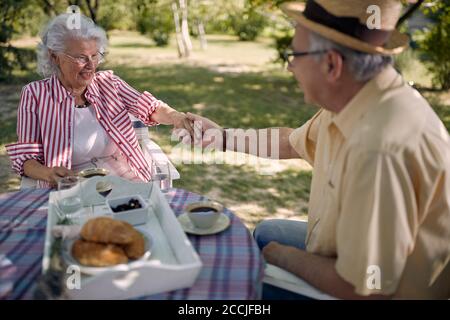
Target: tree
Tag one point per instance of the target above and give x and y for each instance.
(155, 20)
(198, 10)
(93, 8)
(435, 43)
(180, 16)
(55, 7)
(248, 25)
(11, 57)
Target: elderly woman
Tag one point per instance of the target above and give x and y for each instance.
(77, 116)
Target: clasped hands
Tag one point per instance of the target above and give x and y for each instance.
(198, 131)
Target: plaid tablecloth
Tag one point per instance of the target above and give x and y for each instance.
(232, 263)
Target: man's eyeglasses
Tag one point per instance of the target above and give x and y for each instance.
(289, 56)
(84, 60)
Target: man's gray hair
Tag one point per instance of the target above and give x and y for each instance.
(56, 34)
(363, 66)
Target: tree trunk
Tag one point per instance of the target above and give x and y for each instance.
(201, 34)
(93, 8)
(176, 18)
(185, 27)
(48, 8)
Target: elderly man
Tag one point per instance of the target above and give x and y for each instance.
(379, 211)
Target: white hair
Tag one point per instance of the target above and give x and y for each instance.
(363, 66)
(57, 32)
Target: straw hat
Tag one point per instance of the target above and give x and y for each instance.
(346, 22)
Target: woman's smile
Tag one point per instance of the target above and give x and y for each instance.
(86, 75)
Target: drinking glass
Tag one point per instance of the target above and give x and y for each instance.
(161, 173)
(69, 196)
(104, 188)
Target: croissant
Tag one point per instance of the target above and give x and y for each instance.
(107, 230)
(98, 254)
(136, 248)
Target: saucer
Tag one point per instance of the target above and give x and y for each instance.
(91, 172)
(222, 223)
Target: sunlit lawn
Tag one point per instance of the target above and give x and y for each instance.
(235, 84)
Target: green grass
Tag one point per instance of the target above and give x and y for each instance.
(233, 83)
(234, 100)
(244, 184)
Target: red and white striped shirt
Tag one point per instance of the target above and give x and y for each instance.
(46, 116)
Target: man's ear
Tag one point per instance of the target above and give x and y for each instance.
(334, 66)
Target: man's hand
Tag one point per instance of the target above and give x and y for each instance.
(182, 123)
(206, 132)
(206, 123)
(276, 254)
(319, 271)
(55, 173)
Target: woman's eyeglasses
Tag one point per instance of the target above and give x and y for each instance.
(83, 60)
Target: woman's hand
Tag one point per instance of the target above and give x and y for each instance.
(36, 170)
(55, 173)
(167, 115)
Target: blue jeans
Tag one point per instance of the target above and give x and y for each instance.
(287, 232)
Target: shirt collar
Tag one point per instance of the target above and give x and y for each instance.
(60, 93)
(366, 98)
(92, 89)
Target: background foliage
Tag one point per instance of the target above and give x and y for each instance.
(434, 43)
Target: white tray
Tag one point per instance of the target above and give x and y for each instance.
(173, 264)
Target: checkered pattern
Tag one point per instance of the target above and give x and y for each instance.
(232, 263)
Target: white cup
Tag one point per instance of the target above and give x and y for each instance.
(204, 214)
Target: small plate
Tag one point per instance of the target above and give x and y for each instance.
(70, 260)
(222, 223)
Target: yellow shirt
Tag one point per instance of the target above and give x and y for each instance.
(380, 193)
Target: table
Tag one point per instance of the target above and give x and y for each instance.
(233, 266)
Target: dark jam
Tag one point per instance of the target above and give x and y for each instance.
(132, 204)
(203, 209)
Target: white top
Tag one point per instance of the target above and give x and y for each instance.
(91, 141)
